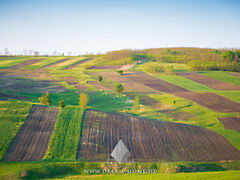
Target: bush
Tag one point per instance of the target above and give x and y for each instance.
(120, 72)
(61, 104)
(45, 99)
(100, 78)
(154, 68)
(119, 88)
(169, 69)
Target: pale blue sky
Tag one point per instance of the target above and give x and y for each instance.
(103, 25)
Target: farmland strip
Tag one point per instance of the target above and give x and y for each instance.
(78, 63)
(32, 140)
(52, 64)
(150, 140)
(210, 100)
(25, 63)
(64, 142)
(210, 82)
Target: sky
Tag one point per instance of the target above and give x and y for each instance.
(97, 26)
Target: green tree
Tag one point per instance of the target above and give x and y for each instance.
(83, 100)
(100, 78)
(169, 69)
(45, 99)
(119, 88)
(136, 103)
(120, 72)
(229, 55)
(61, 104)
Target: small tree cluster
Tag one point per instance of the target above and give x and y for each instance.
(120, 72)
(61, 104)
(45, 99)
(100, 78)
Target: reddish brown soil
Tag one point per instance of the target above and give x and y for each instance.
(57, 62)
(151, 140)
(105, 67)
(78, 63)
(25, 63)
(210, 82)
(32, 140)
(231, 123)
(213, 101)
(99, 86)
(73, 82)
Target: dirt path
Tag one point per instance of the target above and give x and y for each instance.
(78, 63)
(32, 140)
(25, 63)
(151, 140)
(211, 82)
(210, 100)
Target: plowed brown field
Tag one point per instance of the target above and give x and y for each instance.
(231, 123)
(213, 101)
(32, 140)
(73, 82)
(210, 82)
(25, 63)
(151, 140)
(78, 63)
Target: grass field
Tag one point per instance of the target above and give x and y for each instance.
(45, 62)
(12, 117)
(65, 139)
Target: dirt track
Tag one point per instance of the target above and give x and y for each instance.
(32, 140)
(210, 82)
(25, 63)
(151, 140)
(78, 63)
(213, 101)
(231, 123)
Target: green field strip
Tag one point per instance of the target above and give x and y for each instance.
(203, 116)
(46, 61)
(65, 138)
(12, 117)
(12, 62)
(63, 65)
(222, 76)
(76, 62)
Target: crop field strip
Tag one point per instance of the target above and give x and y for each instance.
(25, 63)
(99, 86)
(213, 101)
(105, 67)
(32, 140)
(65, 139)
(231, 123)
(210, 82)
(78, 63)
(54, 63)
(150, 140)
(12, 117)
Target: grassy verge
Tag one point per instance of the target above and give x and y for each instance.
(65, 139)
(75, 169)
(12, 117)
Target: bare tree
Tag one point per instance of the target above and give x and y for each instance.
(6, 51)
(36, 53)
